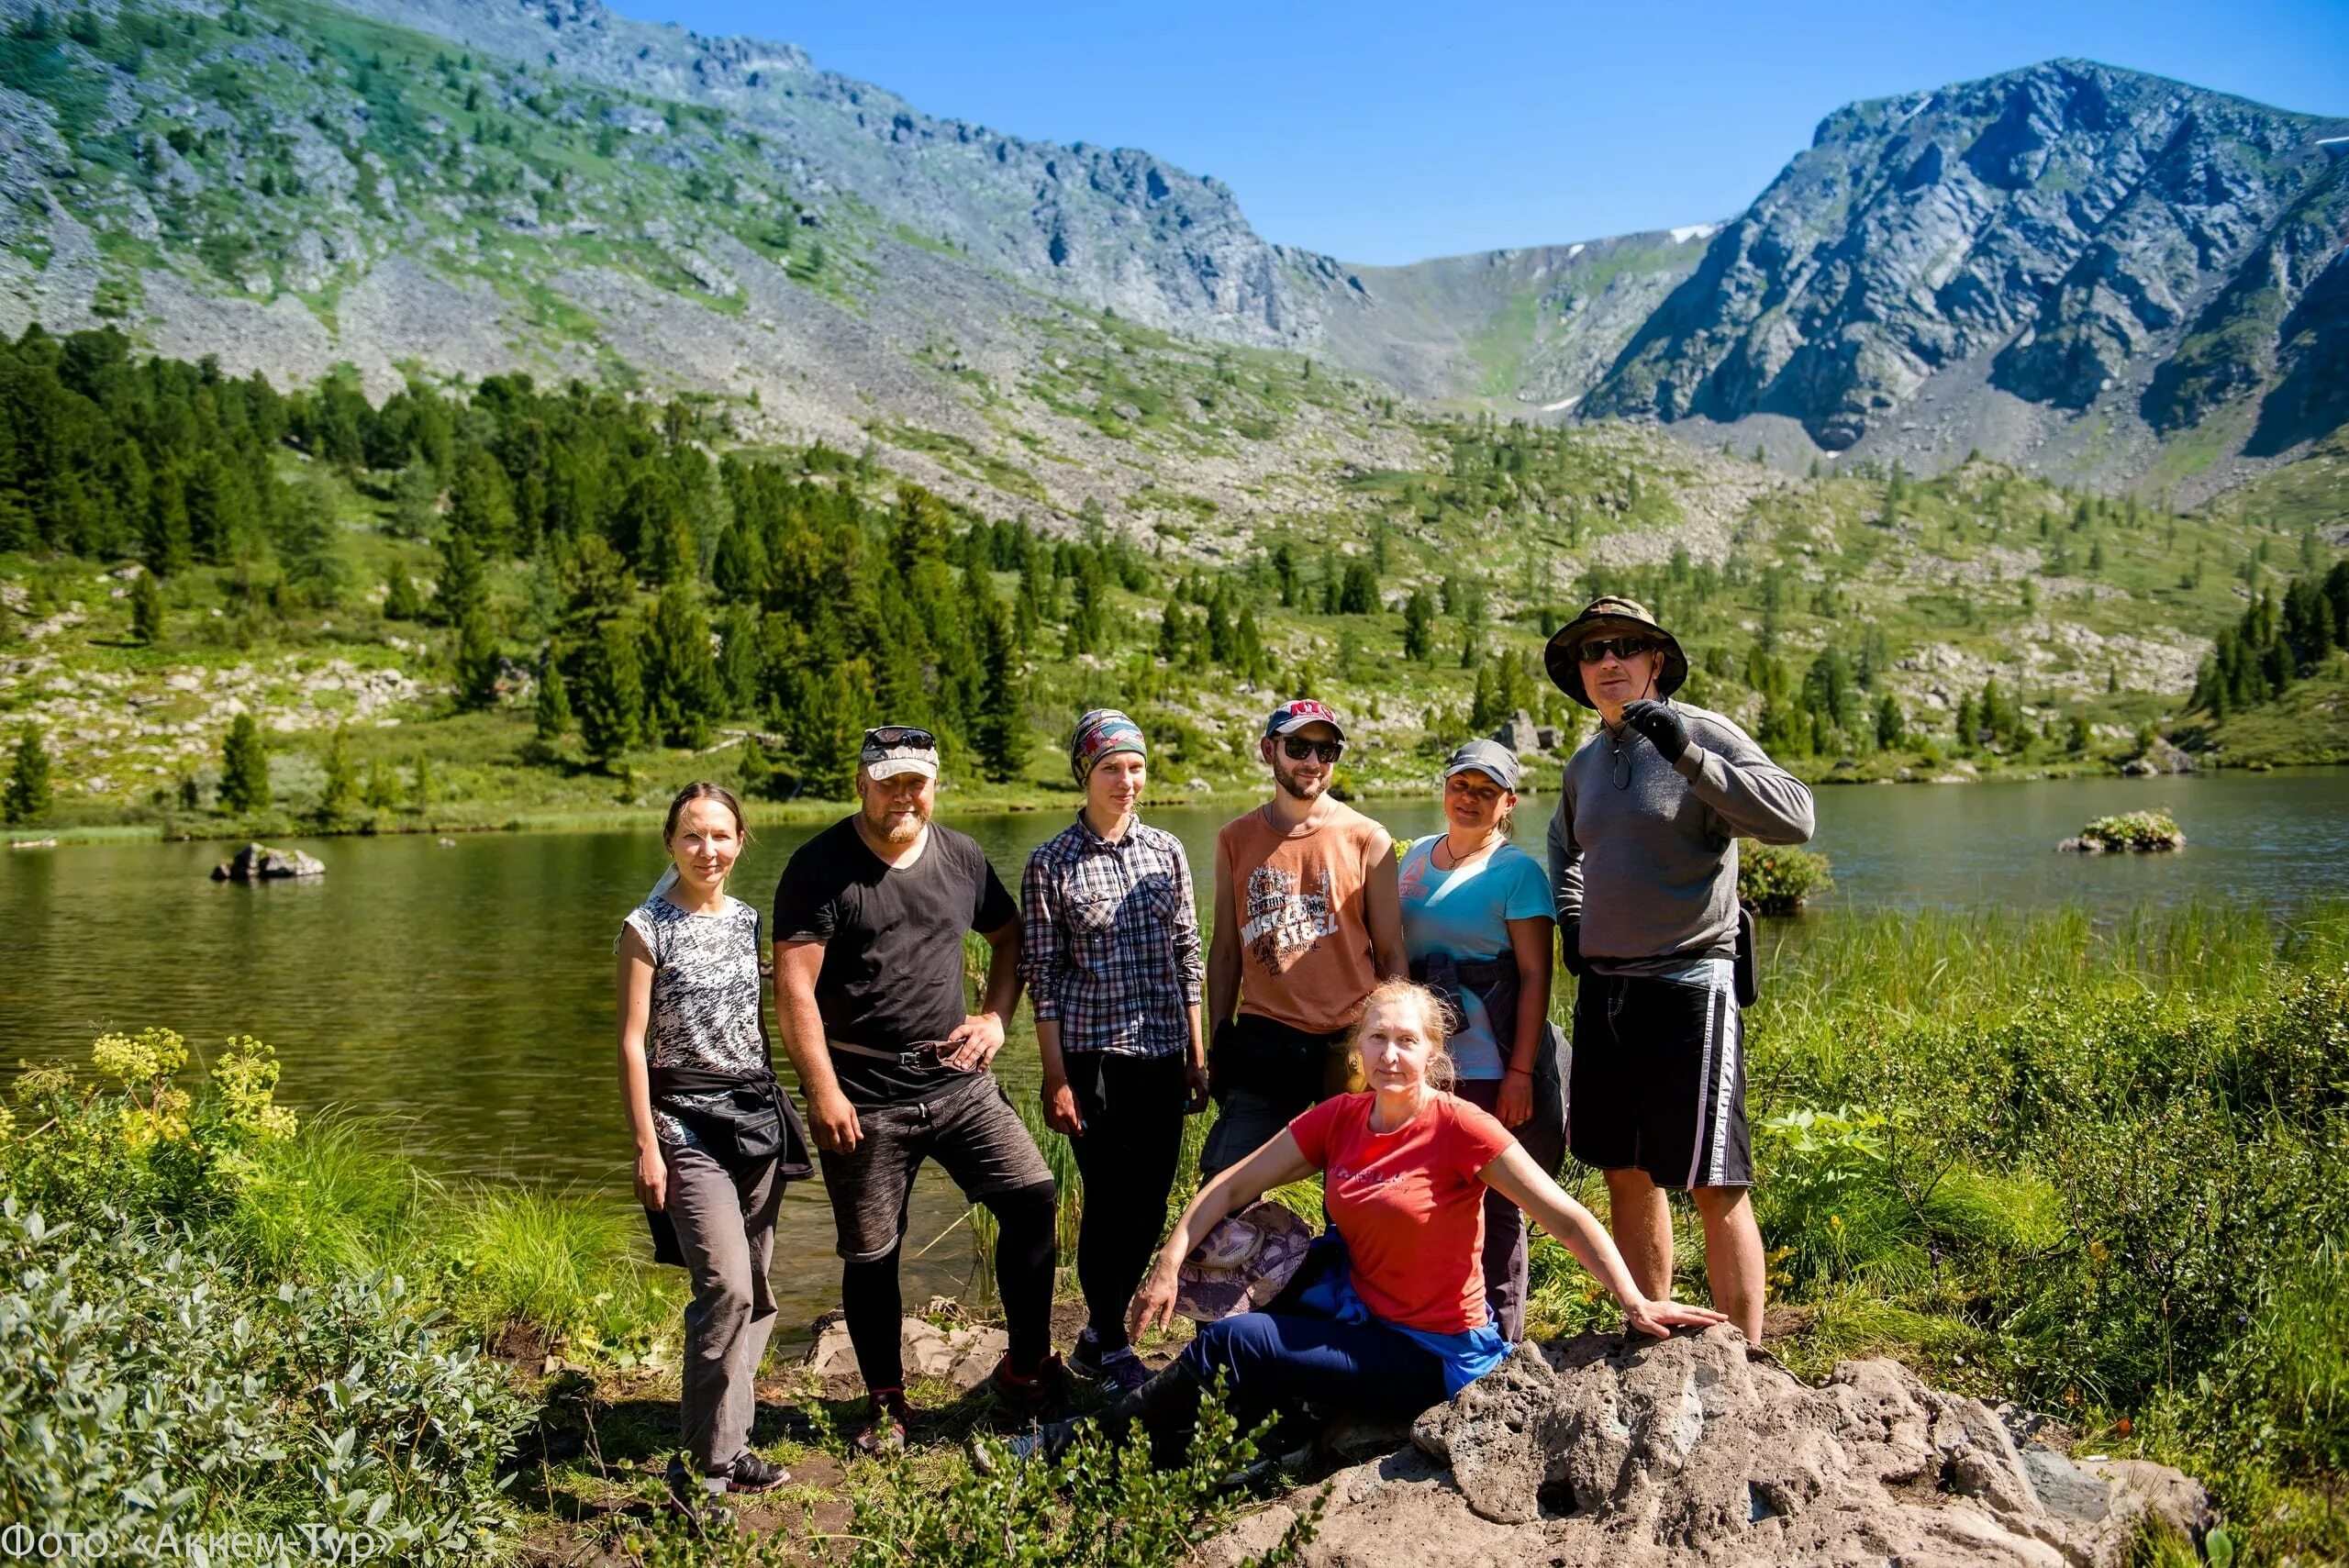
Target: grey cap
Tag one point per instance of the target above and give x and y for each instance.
(1491, 758)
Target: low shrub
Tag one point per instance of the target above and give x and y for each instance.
(1777, 879)
(150, 1381)
(2133, 830)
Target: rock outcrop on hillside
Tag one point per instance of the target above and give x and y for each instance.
(1108, 227)
(1703, 1450)
(2073, 236)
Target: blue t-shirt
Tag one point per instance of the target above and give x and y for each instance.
(1465, 912)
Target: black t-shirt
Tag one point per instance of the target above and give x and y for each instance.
(892, 976)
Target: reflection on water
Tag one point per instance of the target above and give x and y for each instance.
(467, 991)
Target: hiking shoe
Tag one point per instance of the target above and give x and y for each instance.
(1044, 1395)
(1119, 1371)
(697, 1497)
(883, 1429)
(748, 1473)
(1044, 1443)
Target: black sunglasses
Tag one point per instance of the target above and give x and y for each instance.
(1298, 749)
(1626, 648)
(890, 735)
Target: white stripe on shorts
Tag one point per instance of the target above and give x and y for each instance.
(1732, 1048)
(1704, 1076)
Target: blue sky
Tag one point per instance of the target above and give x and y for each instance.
(1385, 132)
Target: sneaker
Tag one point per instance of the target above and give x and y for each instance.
(1044, 1395)
(748, 1473)
(883, 1429)
(1122, 1372)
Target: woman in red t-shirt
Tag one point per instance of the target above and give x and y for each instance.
(1390, 1318)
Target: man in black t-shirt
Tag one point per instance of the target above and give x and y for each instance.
(868, 977)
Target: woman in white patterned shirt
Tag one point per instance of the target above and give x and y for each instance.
(1110, 953)
(716, 1137)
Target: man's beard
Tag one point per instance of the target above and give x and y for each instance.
(1295, 790)
(892, 830)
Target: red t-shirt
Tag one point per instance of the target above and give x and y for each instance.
(1408, 1204)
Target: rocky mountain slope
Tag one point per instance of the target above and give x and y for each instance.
(2070, 263)
(2096, 274)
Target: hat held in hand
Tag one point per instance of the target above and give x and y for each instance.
(1243, 1263)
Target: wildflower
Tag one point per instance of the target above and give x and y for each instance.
(246, 1077)
(134, 1061)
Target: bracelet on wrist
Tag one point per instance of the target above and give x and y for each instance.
(1523, 1071)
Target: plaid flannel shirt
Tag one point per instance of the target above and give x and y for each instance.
(1110, 941)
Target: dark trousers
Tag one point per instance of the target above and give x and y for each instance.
(1505, 1266)
(1269, 1358)
(1133, 1108)
(1267, 1075)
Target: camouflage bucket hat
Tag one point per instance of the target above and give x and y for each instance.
(1608, 616)
(1243, 1263)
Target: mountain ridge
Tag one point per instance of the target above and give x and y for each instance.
(2098, 274)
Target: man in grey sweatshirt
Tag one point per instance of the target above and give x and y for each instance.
(1644, 861)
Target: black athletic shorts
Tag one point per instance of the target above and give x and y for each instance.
(1658, 1080)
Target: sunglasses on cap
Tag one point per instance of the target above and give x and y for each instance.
(1595, 649)
(1298, 749)
(891, 735)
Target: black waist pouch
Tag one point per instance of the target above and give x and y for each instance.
(1745, 973)
(740, 1120)
(751, 1120)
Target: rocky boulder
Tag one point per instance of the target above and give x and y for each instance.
(259, 863)
(1702, 1449)
(962, 1356)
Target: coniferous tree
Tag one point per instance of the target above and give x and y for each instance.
(464, 580)
(383, 790)
(999, 719)
(244, 768)
(477, 663)
(1891, 724)
(341, 792)
(401, 601)
(680, 689)
(550, 709)
(610, 703)
(147, 609)
(830, 729)
(424, 790)
(27, 798)
(1418, 628)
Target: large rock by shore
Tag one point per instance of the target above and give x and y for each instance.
(259, 863)
(1702, 1449)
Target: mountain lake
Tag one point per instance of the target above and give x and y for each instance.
(464, 994)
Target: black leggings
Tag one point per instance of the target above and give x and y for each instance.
(1025, 1254)
(1133, 1109)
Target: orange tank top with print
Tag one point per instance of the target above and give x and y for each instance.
(1296, 901)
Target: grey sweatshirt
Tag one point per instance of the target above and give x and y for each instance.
(1651, 868)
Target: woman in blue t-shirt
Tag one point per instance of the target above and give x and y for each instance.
(1477, 921)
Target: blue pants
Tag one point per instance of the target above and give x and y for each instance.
(1270, 1358)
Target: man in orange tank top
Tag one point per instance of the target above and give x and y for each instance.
(1307, 920)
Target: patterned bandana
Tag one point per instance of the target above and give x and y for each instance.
(1098, 733)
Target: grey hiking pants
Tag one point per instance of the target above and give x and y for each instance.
(726, 1230)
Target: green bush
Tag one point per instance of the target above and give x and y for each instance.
(1777, 879)
(150, 1381)
(2134, 830)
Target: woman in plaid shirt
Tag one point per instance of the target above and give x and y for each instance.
(1110, 953)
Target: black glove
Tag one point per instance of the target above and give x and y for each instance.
(1661, 723)
(1570, 948)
